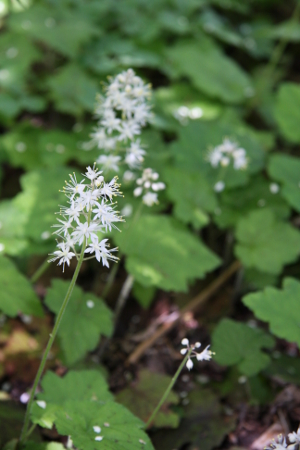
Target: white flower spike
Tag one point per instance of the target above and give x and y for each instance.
(206, 354)
(228, 152)
(89, 213)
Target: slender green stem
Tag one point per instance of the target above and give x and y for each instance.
(164, 397)
(49, 345)
(39, 271)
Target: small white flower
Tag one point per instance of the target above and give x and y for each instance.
(219, 186)
(41, 403)
(98, 438)
(150, 198)
(101, 251)
(109, 162)
(274, 188)
(97, 429)
(226, 152)
(189, 364)
(64, 255)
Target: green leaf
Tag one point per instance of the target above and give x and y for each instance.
(236, 203)
(17, 294)
(144, 295)
(73, 90)
(280, 308)
(84, 385)
(50, 446)
(12, 241)
(210, 70)
(286, 170)
(193, 196)
(85, 319)
(237, 344)
(198, 138)
(55, 27)
(266, 243)
(160, 252)
(119, 428)
(203, 426)
(287, 111)
(40, 200)
(142, 397)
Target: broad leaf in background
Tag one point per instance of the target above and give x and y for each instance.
(73, 90)
(210, 70)
(86, 318)
(143, 395)
(287, 111)
(280, 308)
(17, 294)
(46, 446)
(193, 196)
(237, 344)
(76, 386)
(286, 170)
(120, 429)
(161, 252)
(12, 241)
(266, 243)
(41, 199)
(198, 138)
(203, 426)
(234, 204)
(55, 27)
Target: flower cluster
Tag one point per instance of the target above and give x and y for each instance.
(121, 113)
(206, 354)
(89, 212)
(149, 186)
(291, 442)
(227, 152)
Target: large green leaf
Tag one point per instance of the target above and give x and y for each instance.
(120, 429)
(17, 294)
(198, 138)
(238, 344)
(55, 27)
(287, 111)
(73, 90)
(286, 170)
(86, 318)
(236, 203)
(12, 240)
(280, 308)
(142, 397)
(41, 199)
(266, 243)
(210, 70)
(192, 195)
(160, 252)
(84, 385)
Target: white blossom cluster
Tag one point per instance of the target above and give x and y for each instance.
(121, 113)
(89, 212)
(148, 186)
(292, 442)
(206, 354)
(226, 153)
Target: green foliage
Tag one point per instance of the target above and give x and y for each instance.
(143, 396)
(204, 424)
(280, 308)
(287, 111)
(80, 401)
(201, 62)
(266, 243)
(85, 319)
(193, 196)
(17, 295)
(238, 344)
(286, 169)
(167, 256)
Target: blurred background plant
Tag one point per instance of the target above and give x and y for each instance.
(222, 71)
